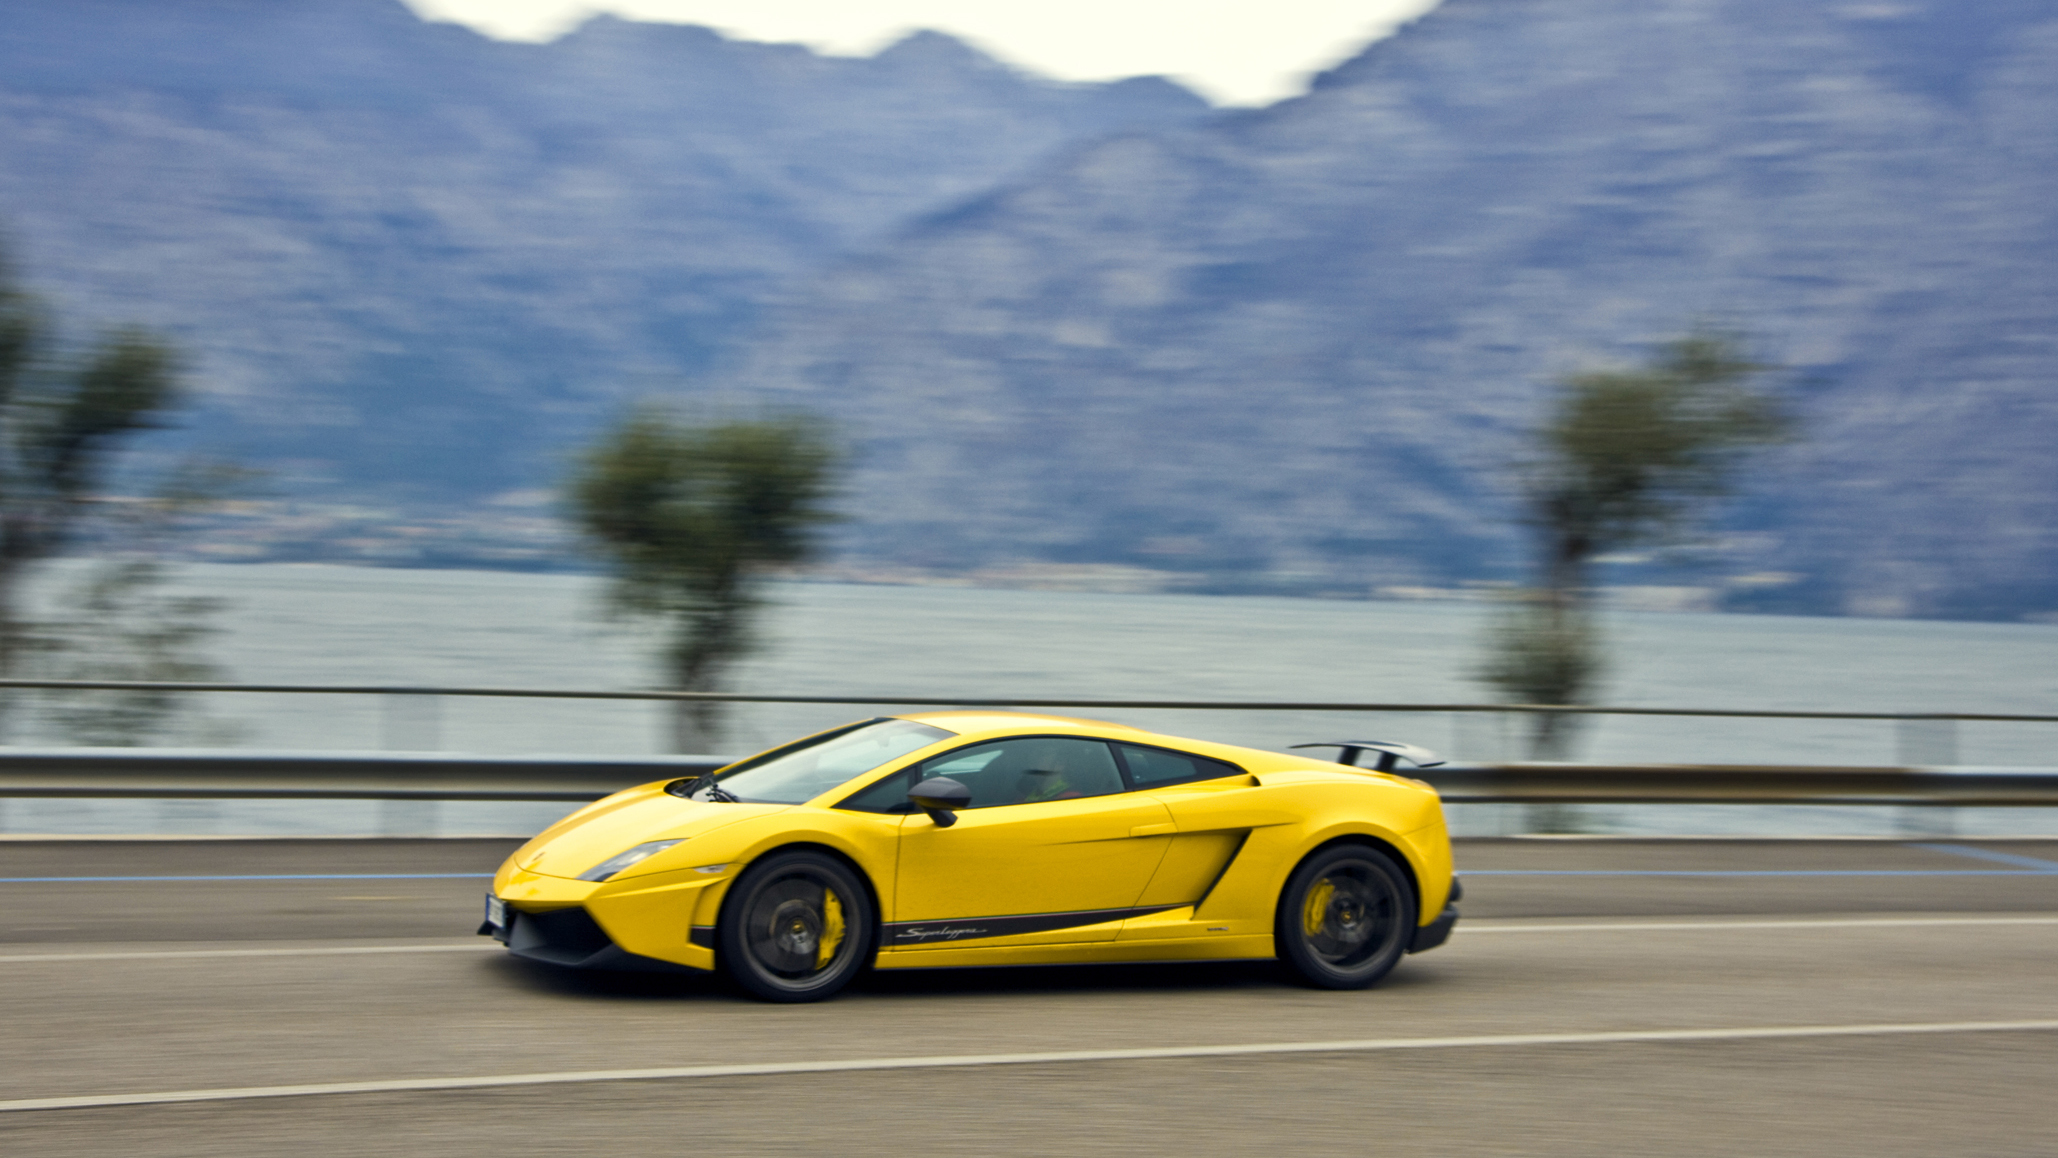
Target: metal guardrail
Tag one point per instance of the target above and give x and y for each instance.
(1743, 784)
(230, 775)
(1927, 743)
(417, 776)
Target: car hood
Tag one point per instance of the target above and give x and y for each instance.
(622, 821)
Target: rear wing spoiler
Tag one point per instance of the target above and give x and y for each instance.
(1389, 752)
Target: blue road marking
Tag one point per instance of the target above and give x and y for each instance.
(270, 877)
(2028, 862)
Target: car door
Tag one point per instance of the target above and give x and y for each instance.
(1053, 849)
(1219, 811)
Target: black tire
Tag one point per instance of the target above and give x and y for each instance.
(796, 926)
(1345, 917)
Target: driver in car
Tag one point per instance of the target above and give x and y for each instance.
(1052, 777)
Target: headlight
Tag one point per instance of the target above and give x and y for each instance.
(622, 860)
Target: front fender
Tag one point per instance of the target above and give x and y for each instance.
(671, 914)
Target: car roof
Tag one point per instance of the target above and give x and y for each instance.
(974, 725)
(978, 721)
(983, 723)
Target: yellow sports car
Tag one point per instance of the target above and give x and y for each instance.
(991, 838)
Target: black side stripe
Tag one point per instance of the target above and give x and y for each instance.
(905, 933)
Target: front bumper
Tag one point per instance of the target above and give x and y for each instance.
(570, 938)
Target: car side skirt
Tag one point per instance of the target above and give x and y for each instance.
(1083, 953)
(896, 935)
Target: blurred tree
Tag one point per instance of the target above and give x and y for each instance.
(691, 518)
(62, 417)
(1627, 458)
(119, 623)
(116, 619)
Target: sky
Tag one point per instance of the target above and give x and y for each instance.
(1234, 52)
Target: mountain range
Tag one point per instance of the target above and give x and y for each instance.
(1295, 349)
(411, 262)
(1305, 344)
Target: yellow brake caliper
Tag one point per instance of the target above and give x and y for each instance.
(1316, 912)
(832, 928)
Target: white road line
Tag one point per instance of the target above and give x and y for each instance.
(1474, 930)
(176, 954)
(1469, 930)
(954, 1061)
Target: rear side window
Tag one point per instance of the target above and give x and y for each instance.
(1150, 767)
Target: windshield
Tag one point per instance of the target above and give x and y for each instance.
(812, 767)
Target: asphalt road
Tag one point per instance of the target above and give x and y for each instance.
(1620, 996)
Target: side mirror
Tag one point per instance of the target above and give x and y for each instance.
(940, 797)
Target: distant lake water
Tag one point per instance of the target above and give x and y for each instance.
(343, 625)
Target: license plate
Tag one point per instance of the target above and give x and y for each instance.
(496, 912)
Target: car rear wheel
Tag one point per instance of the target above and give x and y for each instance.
(1345, 917)
(797, 926)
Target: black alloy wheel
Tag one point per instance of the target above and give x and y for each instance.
(796, 926)
(1345, 918)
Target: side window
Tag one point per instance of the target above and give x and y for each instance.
(1150, 767)
(1029, 770)
(888, 795)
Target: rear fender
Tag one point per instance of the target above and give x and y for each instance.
(1249, 890)
(1425, 856)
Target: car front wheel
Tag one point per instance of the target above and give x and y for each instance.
(796, 926)
(1345, 917)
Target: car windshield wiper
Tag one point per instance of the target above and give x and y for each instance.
(715, 792)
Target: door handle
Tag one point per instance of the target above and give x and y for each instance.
(1153, 829)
